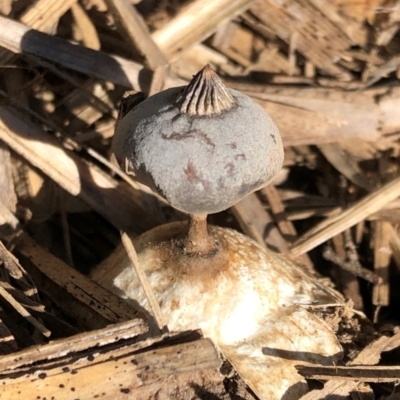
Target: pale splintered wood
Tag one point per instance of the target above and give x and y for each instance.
(88, 102)
(345, 163)
(117, 203)
(158, 80)
(15, 86)
(7, 191)
(6, 6)
(395, 245)
(135, 32)
(87, 29)
(285, 18)
(258, 224)
(326, 115)
(133, 330)
(350, 286)
(348, 218)
(41, 15)
(355, 30)
(22, 279)
(286, 227)
(304, 115)
(9, 224)
(196, 22)
(382, 259)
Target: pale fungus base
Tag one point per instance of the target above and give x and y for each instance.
(251, 302)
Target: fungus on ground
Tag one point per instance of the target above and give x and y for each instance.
(203, 148)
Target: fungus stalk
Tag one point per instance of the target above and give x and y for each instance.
(199, 241)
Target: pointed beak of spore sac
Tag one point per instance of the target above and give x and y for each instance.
(206, 94)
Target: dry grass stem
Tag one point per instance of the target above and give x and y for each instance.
(286, 227)
(42, 15)
(21, 310)
(355, 268)
(258, 224)
(130, 250)
(87, 29)
(348, 218)
(19, 38)
(370, 355)
(382, 258)
(70, 172)
(351, 373)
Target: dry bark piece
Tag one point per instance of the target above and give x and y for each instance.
(89, 304)
(202, 147)
(132, 366)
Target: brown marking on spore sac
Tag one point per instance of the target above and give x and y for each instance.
(194, 133)
(191, 174)
(42, 375)
(229, 168)
(233, 145)
(125, 390)
(240, 156)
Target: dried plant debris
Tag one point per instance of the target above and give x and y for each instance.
(327, 73)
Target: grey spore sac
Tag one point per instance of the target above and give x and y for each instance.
(200, 163)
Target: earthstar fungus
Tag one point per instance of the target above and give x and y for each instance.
(203, 148)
